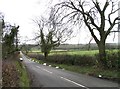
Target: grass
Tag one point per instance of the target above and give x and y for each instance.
(90, 70)
(71, 52)
(74, 52)
(90, 53)
(24, 79)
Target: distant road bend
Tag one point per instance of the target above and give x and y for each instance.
(45, 76)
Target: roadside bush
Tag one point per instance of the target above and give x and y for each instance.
(85, 60)
(72, 59)
(36, 56)
(79, 60)
(113, 59)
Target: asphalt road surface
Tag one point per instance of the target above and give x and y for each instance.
(45, 76)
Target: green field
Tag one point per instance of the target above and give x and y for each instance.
(74, 52)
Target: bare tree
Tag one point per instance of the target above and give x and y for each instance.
(51, 33)
(95, 16)
(89, 43)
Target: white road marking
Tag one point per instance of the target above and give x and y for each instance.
(44, 64)
(49, 65)
(56, 67)
(44, 70)
(74, 82)
(64, 78)
(47, 71)
(28, 59)
(38, 67)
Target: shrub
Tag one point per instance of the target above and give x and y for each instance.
(113, 59)
(36, 56)
(72, 59)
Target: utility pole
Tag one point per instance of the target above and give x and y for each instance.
(1, 53)
(119, 26)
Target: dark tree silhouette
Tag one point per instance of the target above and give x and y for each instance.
(9, 39)
(95, 16)
(56, 33)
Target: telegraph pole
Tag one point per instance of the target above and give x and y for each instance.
(1, 22)
(119, 26)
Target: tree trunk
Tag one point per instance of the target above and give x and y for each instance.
(16, 43)
(102, 54)
(46, 55)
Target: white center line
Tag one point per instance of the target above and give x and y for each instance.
(44, 70)
(47, 71)
(64, 78)
(74, 82)
(39, 67)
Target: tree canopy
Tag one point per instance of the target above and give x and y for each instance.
(52, 32)
(9, 39)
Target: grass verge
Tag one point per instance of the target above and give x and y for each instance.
(23, 76)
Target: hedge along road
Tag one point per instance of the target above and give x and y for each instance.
(46, 76)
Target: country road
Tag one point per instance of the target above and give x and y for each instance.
(45, 76)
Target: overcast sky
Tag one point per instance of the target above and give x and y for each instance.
(21, 12)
